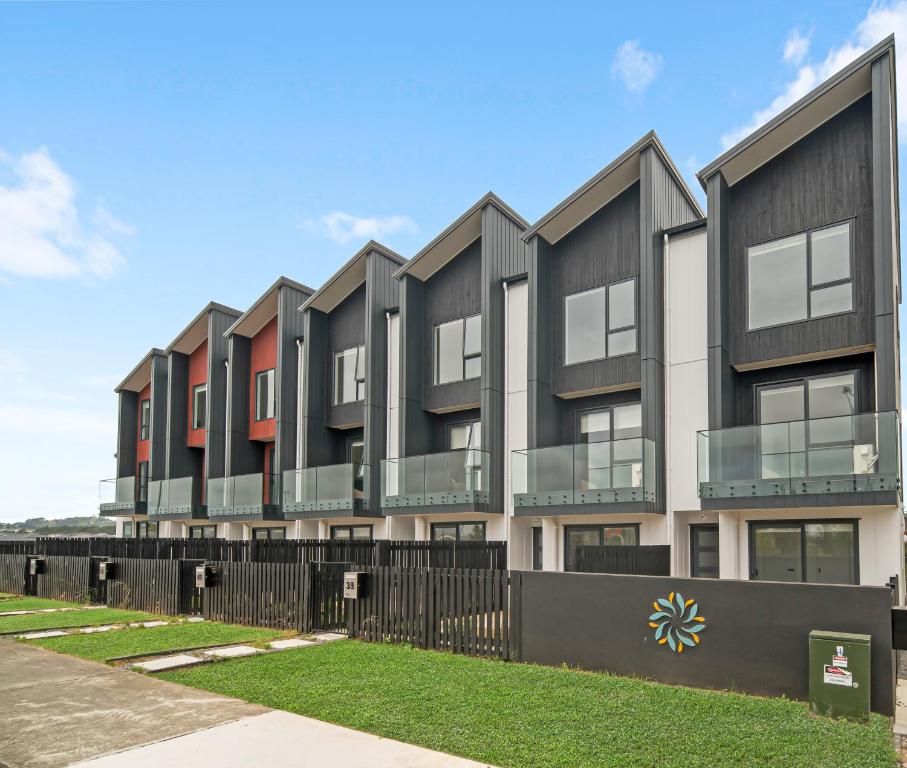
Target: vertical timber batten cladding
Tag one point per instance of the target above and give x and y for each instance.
(262, 357)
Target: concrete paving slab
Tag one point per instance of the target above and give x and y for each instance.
(45, 633)
(195, 619)
(271, 738)
(168, 662)
(14, 613)
(102, 628)
(327, 637)
(57, 710)
(293, 642)
(150, 624)
(232, 652)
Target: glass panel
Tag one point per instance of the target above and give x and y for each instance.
(340, 534)
(830, 553)
(628, 421)
(778, 404)
(145, 419)
(444, 533)
(464, 436)
(472, 367)
(472, 336)
(624, 536)
(777, 553)
(278, 533)
(449, 352)
(621, 343)
(264, 395)
(831, 254)
(362, 532)
(830, 301)
(622, 305)
(260, 533)
(584, 324)
(593, 466)
(831, 396)
(777, 282)
(472, 532)
(345, 372)
(595, 427)
(577, 537)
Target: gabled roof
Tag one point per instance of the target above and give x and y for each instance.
(264, 308)
(140, 376)
(348, 278)
(464, 231)
(197, 331)
(817, 107)
(602, 188)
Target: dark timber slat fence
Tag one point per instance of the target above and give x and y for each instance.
(12, 573)
(66, 578)
(146, 585)
(652, 560)
(463, 610)
(17, 547)
(259, 594)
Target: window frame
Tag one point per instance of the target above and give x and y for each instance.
(801, 523)
(196, 391)
(600, 527)
(269, 536)
(145, 423)
(349, 527)
(804, 382)
(360, 352)
(128, 529)
(451, 426)
(269, 374)
(202, 528)
(459, 524)
(435, 347)
(808, 233)
(143, 529)
(606, 329)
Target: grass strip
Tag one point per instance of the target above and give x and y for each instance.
(35, 622)
(524, 716)
(34, 604)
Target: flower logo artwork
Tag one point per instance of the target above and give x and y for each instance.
(676, 622)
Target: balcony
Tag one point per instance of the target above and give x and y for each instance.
(244, 497)
(455, 481)
(177, 498)
(588, 478)
(122, 496)
(845, 460)
(326, 491)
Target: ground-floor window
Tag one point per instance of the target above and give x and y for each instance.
(597, 536)
(202, 531)
(347, 532)
(127, 529)
(269, 534)
(458, 532)
(145, 530)
(814, 551)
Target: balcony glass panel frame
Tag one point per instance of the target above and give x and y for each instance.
(241, 495)
(459, 477)
(328, 488)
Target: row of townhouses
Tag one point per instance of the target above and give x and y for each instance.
(624, 371)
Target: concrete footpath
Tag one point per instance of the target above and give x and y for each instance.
(60, 711)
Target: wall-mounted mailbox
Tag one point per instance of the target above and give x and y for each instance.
(354, 584)
(37, 566)
(106, 570)
(205, 576)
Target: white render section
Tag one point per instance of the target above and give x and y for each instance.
(516, 405)
(686, 384)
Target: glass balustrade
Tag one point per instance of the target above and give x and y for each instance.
(335, 487)
(452, 477)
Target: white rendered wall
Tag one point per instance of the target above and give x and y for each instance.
(516, 405)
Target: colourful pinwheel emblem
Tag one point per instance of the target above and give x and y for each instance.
(676, 622)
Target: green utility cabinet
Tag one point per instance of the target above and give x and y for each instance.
(839, 674)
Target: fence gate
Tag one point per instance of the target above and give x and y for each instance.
(326, 609)
(190, 596)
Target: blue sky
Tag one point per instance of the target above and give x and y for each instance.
(155, 156)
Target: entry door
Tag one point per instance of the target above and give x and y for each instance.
(704, 551)
(537, 548)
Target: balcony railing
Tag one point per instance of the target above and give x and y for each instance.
(608, 472)
(122, 495)
(839, 454)
(177, 496)
(241, 495)
(454, 477)
(336, 487)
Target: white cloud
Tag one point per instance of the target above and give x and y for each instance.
(796, 46)
(41, 230)
(881, 20)
(342, 227)
(636, 67)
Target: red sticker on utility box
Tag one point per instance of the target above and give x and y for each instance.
(837, 676)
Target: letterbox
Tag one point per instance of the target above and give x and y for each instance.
(205, 576)
(106, 570)
(354, 584)
(36, 566)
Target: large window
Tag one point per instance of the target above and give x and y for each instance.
(818, 552)
(349, 376)
(613, 454)
(800, 277)
(264, 395)
(269, 534)
(202, 531)
(144, 419)
(458, 532)
(596, 536)
(146, 530)
(600, 322)
(458, 350)
(351, 532)
(199, 406)
(127, 529)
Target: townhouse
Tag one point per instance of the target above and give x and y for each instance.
(627, 371)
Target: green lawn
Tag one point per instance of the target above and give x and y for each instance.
(524, 716)
(34, 604)
(37, 621)
(132, 642)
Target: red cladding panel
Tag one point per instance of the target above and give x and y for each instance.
(264, 357)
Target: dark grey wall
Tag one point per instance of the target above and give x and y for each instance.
(721, 381)
(290, 327)
(127, 432)
(346, 328)
(216, 433)
(317, 447)
(543, 406)
(158, 417)
(415, 423)
(243, 456)
(600, 622)
(182, 461)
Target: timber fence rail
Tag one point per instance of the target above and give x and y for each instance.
(646, 560)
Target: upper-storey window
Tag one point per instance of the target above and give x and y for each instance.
(601, 322)
(458, 350)
(349, 375)
(199, 406)
(264, 395)
(800, 277)
(144, 419)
